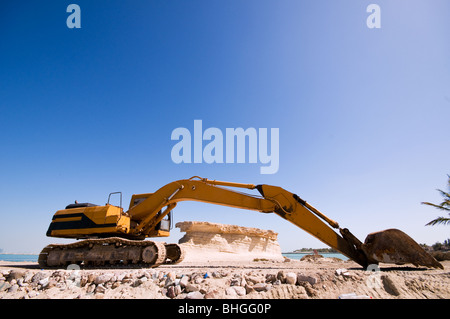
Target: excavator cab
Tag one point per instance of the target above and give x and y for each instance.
(163, 227)
(166, 223)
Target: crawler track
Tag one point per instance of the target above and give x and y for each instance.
(113, 252)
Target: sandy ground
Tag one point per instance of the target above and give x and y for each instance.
(325, 278)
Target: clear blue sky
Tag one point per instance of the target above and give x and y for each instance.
(363, 113)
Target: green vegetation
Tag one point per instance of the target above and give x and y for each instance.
(438, 246)
(445, 206)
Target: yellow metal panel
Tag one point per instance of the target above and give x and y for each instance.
(70, 211)
(82, 231)
(103, 214)
(66, 219)
(158, 233)
(82, 221)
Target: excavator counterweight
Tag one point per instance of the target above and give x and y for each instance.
(112, 236)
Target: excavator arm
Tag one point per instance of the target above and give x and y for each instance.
(115, 236)
(288, 206)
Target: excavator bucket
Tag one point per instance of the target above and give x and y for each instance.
(396, 247)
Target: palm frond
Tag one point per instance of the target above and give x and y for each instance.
(442, 207)
(439, 220)
(445, 195)
(445, 205)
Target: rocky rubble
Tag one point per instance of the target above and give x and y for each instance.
(153, 283)
(273, 280)
(227, 262)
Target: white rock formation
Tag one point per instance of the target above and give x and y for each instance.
(206, 241)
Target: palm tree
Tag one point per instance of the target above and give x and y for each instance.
(445, 205)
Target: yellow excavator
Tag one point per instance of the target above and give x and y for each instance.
(112, 237)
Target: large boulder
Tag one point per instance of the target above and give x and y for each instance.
(205, 241)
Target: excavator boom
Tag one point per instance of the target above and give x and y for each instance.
(147, 212)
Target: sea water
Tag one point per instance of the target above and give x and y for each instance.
(34, 258)
(326, 255)
(19, 257)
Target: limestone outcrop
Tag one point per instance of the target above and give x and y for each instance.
(205, 241)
